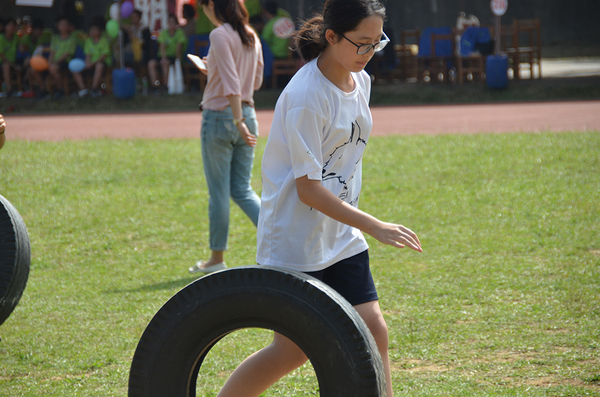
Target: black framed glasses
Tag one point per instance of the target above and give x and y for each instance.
(362, 49)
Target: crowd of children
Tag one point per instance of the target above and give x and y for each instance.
(36, 60)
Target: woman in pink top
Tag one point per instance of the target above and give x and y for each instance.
(229, 126)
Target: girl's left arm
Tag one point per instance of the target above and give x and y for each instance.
(315, 195)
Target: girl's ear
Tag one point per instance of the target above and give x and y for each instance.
(331, 37)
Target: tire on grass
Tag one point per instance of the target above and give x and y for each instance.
(15, 258)
(324, 325)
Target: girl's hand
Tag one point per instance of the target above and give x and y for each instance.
(396, 236)
(246, 135)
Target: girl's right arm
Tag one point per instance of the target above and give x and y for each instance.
(315, 195)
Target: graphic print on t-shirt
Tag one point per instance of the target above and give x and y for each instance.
(338, 152)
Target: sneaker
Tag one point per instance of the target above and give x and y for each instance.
(83, 93)
(95, 94)
(197, 268)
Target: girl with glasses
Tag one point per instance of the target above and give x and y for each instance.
(311, 171)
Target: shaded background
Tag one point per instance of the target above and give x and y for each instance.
(564, 22)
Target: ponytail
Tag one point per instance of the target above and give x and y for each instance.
(310, 40)
(340, 16)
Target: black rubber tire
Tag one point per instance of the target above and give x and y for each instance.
(15, 258)
(324, 325)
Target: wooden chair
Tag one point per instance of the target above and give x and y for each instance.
(437, 47)
(407, 52)
(470, 63)
(470, 68)
(523, 47)
(284, 67)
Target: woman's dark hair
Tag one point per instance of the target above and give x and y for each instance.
(235, 14)
(340, 16)
(188, 11)
(98, 22)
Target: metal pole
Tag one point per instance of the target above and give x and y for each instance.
(498, 35)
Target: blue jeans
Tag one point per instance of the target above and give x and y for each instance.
(227, 163)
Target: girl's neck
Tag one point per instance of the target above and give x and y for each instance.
(335, 72)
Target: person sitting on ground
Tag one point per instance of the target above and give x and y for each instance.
(62, 50)
(8, 53)
(278, 30)
(98, 56)
(2, 130)
(172, 41)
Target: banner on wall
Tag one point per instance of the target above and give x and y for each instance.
(35, 3)
(154, 13)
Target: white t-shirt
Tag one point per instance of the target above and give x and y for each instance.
(320, 131)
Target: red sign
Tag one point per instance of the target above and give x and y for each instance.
(499, 7)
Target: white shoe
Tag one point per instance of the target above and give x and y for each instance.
(83, 93)
(197, 268)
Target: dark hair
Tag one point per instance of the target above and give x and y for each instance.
(10, 20)
(138, 12)
(271, 7)
(188, 11)
(340, 16)
(37, 24)
(98, 22)
(235, 14)
(174, 17)
(63, 17)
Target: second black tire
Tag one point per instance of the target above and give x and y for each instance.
(324, 325)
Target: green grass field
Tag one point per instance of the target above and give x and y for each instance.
(504, 300)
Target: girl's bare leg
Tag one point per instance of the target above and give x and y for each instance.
(371, 314)
(265, 367)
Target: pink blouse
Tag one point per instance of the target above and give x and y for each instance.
(233, 68)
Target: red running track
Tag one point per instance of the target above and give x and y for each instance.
(401, 120)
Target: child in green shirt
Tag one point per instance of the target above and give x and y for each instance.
(172, 42)
(38, 39)
(98, 56)
(8, 53)
(62, 50)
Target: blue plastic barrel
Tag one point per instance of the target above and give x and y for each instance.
(497, 71)
(123, 83)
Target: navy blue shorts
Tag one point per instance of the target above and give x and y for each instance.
(351, 278)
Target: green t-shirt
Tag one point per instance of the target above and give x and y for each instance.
(9, 47)
(203, 24)
(96, 49)
(279, 46)
(171, 42)
(62, 46)
(253, 7)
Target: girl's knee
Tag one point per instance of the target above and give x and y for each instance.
(294, 356)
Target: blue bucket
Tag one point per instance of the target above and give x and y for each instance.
(123, 83)
(497, 71)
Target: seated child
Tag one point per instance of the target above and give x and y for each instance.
(98, 55)
(62, 50)
(8, 53)
(36, 42)
(172, 42)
